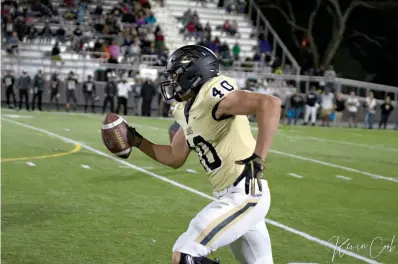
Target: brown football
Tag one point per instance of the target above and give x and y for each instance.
(114, 135)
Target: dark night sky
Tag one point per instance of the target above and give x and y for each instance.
(357, 51)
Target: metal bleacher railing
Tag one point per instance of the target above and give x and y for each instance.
(84, 66)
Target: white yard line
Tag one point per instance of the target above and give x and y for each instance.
(191, 171)
(30, 164)
(343, 177)
(177, 184)
(295, 175)
(84, 166)
(334, 141)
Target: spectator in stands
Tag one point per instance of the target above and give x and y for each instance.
(327, 99)
(150, 19)
(46, 34)
(339, 106)
(224, 50)
(54, 90)
(9, 26)
(13, 44)
(236, 51)
(159, 40)
(9, 82)
(110, 92)
(123, 89)
(114, 51)
(234, 28)
(386, 109)
(20, 27)
(190, 30)
(311, 106)
(38, 88)
(140, 20)
(31, 33)
(207, 31)
(187, 17)
(296, 104)
(98, 10)
(89, 92)
(55, 52)
(61, 34)
(330, 78)
(227, 26)
(148, 91)
(78, 32)
(264, 46)
(71, 85)
(199, 31)
(370, 106)
(24, 85)
(352, 104)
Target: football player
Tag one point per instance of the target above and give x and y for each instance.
(212, 115)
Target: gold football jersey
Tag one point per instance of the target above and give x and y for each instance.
(218, 143)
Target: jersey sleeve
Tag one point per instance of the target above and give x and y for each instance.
(218, 92)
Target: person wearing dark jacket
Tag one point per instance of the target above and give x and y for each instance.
(296, 104)
(386, 109)
(38, 87)
(148, 91)
(24, 84)
(339, 106)
(110, 91)
(9, 81)
(89, 93)
(311, 106)
(54, 90)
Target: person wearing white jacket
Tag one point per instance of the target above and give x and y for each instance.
(352, 107)
(123, 89)
(370, 106)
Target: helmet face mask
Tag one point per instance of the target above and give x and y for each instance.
(188, 68)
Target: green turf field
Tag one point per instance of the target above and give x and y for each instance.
(63, 201)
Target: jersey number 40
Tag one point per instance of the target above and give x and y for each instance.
(224, 84)
(211, 161)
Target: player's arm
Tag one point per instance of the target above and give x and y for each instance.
(267, 109)
(173, 155)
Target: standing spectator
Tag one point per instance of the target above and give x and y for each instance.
(199, 31)
(148, 91)
(330, 78)
(54, 91)
(24, 85)
(110, 91)
(9, 81)
(123, 89)
(386, 109)
(236, 51)
(339, 108)
(71, 84)
(114, 51)
(137, 96)
(89, 93)
(352, 104)
(296, 104)
(327, 99)
(370, 106)
(38, 87)
(311, 106)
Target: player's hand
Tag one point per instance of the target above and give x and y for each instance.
(254, 167)
(134, 137)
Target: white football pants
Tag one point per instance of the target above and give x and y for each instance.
(234, 219)
(310, 110)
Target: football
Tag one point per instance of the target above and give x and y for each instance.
(114, 135)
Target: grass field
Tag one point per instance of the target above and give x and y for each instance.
(66, 200)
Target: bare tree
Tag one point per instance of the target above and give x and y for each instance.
(339, 17)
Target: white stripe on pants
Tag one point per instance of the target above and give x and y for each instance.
(310, 110)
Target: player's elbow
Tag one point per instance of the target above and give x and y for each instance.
(271, 101)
